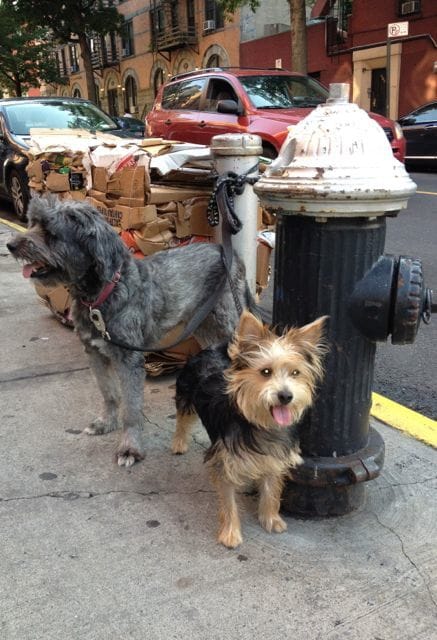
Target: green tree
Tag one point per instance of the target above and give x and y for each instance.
(26, 54)
(298, 27)
(73, 21)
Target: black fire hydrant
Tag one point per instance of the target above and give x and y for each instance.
(332, 187)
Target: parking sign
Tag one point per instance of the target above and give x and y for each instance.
(396, 29)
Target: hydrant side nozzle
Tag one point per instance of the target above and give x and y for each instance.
(371, 302)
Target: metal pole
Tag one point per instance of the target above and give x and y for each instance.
(387, 79)
(238, 153)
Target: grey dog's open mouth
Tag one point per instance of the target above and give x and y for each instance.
(35, 270)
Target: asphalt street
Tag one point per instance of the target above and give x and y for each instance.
(408, 373)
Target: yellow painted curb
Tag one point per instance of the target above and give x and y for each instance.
(17, 227)
(427, 193)
(404, 419)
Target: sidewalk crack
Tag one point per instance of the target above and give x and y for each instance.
(423, 576)
(76, 495)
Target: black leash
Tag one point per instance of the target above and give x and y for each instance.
(220, 203)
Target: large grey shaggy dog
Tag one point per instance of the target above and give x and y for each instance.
(70, 243)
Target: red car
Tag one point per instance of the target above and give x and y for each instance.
(195, 106)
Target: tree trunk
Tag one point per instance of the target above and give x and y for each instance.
(298, 36)
(85, 54)
(17, 86)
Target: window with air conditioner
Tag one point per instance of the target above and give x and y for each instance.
(213, 12)
(127, 39)
(408, 7)
(209, 25)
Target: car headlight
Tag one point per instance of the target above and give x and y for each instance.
(398, 131)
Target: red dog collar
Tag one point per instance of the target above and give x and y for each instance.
(106, 291)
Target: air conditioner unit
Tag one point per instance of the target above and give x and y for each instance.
(74, 68)
(209, 25)
(410, 7)
(124, 52)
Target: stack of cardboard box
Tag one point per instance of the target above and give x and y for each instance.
(58, 170)
(149, 216)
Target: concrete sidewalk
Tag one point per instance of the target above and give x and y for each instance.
(92, 551)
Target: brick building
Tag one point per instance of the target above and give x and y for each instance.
(347, 42)
(161, 38)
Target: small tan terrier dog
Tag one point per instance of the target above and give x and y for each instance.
(250, 395)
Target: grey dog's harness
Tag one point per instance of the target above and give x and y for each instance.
(221, 201)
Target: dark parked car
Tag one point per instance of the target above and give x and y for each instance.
(420, 131)
(19, 115)
(195, 106)
(131, 126)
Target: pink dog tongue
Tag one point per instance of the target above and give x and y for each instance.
(27, 270)
(282, 415)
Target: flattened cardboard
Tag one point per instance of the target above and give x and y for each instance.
(58, 297)
(57, 182)
(155, 227)
(153, 245)
(160, 194)
(262, 264)
(100, 178)
(182, 222)
(196, 211)
(34, 171)
(125, 217)
(129, 182)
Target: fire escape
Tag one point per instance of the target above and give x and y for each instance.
(170, 29)
(337, 22)
(105, 52)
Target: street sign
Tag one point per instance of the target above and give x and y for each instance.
(396, 29)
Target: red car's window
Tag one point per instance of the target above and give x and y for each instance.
(283, 92)
(183, 95)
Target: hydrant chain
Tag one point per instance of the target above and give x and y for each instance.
(228, 186)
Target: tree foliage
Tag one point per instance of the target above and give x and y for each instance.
(26, 57)
(72, 21)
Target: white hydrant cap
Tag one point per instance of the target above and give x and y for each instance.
(336, 162)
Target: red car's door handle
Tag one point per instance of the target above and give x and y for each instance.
(202, 123)
(167, 121)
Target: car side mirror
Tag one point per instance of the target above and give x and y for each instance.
(228, 106)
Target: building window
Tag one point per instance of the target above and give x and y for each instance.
(74, 62)
(61, 62)
(158, 80)
(76, 93)
(191, 19)
(408, 7)
(130, 95)
(157, 22)
(127, 40)
(213, 61)
(214, 12)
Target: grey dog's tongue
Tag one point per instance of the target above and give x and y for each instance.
(27, 270)
(282, 415)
